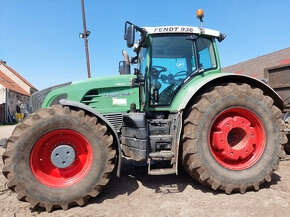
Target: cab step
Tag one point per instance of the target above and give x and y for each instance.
(163, 163)
(161, 155)
(162, 171)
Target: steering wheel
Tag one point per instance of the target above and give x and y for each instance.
(172, 79)
(156, 70)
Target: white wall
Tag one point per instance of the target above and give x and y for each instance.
(17, 80)
(2, 94)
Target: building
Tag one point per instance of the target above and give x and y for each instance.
(13, 89)
(273, 68)
(255, 67)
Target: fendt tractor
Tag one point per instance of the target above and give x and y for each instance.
(175, 110)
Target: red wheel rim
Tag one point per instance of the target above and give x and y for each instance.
(237, 138)
(46, 172)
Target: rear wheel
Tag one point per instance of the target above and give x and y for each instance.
(59, 157)
(232, 138)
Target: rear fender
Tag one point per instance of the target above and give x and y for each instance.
(221, 78)
(86, 108)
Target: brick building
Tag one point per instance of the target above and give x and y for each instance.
(13, 88)
(255, 67)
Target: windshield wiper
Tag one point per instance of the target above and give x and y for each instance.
(194, 73)
(192, 37)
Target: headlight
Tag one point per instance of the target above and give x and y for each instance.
(37, 98)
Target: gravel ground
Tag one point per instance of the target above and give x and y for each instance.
(137, 194)
(6, 131)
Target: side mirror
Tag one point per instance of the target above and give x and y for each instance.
(122, 67)
(129, 35)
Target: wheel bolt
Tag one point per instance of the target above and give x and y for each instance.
(252, 136)
(40, 159)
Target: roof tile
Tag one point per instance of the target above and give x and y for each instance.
(19, 76)
(255, 67)
(10, 84)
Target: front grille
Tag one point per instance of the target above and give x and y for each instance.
(38, 97)
(116, 119)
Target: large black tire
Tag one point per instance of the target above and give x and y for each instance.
(18, 158)
(198, 157)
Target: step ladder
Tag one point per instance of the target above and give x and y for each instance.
(162, 156)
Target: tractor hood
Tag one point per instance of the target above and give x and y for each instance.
(104, 94)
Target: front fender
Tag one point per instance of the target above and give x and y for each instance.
(86, 108)
(193, 88)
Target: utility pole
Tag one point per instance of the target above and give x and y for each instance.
(85, 37)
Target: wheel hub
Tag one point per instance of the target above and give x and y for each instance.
(237, 138)
(234, 137)
(62, 156)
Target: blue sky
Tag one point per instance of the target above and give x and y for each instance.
(39, 38)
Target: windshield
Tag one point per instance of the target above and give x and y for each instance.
(173, 61)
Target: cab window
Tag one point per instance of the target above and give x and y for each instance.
(206, 53)
(172, 62)
(142, 61)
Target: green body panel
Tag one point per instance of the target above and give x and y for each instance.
(187, 89)
(108, 94)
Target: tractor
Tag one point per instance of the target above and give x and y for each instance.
(175, 110)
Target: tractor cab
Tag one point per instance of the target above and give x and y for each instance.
(170, 56)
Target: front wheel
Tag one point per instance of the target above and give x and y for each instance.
(59, 157)
(232, 138)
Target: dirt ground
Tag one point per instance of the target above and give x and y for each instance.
(137, 194)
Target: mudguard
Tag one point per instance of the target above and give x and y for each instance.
(82, 106)
(194, 87)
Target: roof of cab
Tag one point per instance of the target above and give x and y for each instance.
(181, 29)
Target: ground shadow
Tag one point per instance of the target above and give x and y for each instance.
(127, 183)
(130, 175)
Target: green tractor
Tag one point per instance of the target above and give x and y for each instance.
(176, 109)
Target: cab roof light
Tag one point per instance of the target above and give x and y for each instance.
(200, 15)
